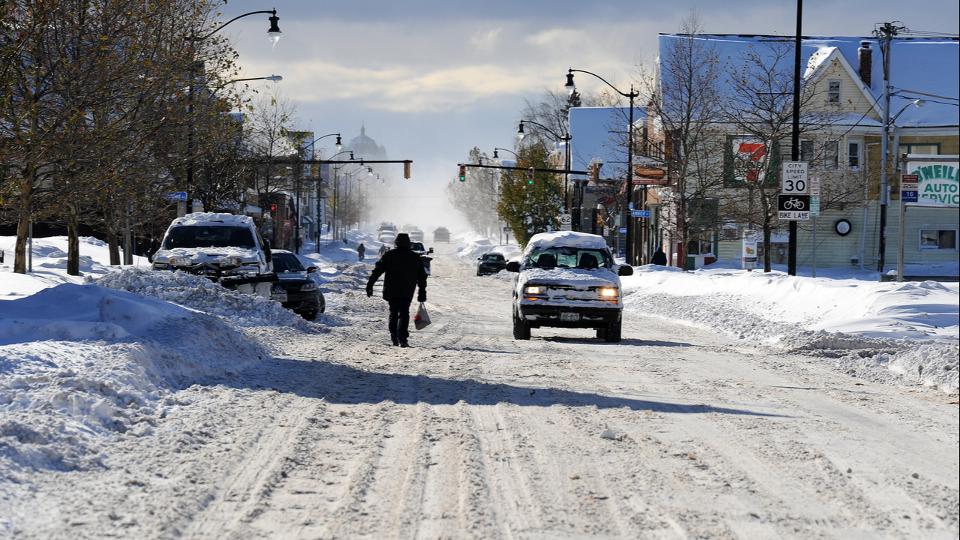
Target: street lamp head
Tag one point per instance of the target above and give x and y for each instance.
(570, 86)
(339, 144)
(274, 32)
(520, 133)
(495, 154)
(274, 78)
(370, 172)
(919, 102)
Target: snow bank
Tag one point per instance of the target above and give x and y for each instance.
(900, 327)
(201, 294)
(50, 264)
(84, 365)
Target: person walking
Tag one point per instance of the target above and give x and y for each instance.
(404, 273)
(659, 257)
(361, 249)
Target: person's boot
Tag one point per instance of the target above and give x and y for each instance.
(393, 338)
(404, 344)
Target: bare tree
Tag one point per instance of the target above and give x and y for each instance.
(476, 197)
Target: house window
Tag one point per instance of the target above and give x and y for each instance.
(806, 151)
(833, 92)
(938, 239)
(831, 159)
(913, 148)
(853, 155)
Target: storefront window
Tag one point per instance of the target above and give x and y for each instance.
(938, 239)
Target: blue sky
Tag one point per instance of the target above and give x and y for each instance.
(431, 78)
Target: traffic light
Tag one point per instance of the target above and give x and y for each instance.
(406, 170)
(273, 208)
(463, 173)
(530, 177)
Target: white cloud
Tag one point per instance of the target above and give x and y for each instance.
(486, 40)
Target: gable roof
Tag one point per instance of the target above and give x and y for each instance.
(821, 60)
(918, 66)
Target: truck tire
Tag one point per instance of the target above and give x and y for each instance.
(612, 332)
(602, 333)
(521, 330)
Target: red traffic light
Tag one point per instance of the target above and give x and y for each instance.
(273, 207)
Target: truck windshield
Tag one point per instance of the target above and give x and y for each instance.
(284, 262)
(197, 236)
(569, 257)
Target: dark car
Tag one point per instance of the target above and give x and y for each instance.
(441, 234)
(295, 288)
(491, 263)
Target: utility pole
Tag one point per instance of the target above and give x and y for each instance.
(795, 135)
(885, 33)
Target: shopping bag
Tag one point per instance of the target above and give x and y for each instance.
(422, 319)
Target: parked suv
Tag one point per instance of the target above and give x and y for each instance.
(224, 247)
(568, 280)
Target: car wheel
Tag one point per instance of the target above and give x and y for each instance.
(612, 332)
(521, 330)
(310, 315)
(322, 304)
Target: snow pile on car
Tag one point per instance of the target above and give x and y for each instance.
(474, 246)
(85, 365)
(201, 294)
(885, 331)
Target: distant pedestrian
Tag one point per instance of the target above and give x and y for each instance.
(361, 250)
(659, 257)
(383, 249)
(404, 274)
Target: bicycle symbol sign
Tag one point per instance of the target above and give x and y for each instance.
(793, 207)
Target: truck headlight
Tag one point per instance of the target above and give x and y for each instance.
(533, 289)
(609, 293)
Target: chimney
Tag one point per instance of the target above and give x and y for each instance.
(865, 56)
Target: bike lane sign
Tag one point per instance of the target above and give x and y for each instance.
(793, 207)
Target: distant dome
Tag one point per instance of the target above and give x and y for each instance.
(365, 147)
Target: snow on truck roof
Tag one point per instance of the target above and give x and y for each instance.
(213, 219)
(566, 239)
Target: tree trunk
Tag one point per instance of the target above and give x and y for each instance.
(73, 241)
(113, 246)
(766, 244)
(23, 221)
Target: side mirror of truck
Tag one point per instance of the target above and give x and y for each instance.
(625, 270)
(311, 269)
(430, 250)
(513, 266)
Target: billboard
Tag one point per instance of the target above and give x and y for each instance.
(938, 180)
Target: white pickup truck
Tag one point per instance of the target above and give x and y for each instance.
(223, 247)
(568, 280)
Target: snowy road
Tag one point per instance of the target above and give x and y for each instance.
(676, 432)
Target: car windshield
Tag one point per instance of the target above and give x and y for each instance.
(569, 257)
(417, 246)
(493, 257)
(285, 262)
(197, 236)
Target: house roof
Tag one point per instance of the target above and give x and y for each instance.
(918, 66)
(599, 134)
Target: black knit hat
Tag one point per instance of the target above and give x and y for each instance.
(402, 241)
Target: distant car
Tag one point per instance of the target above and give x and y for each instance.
(441, 234)
(387, 237)
(491, 263)
(417, 247)
(295, 289)
(416, 235)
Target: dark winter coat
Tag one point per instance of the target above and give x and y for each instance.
(404, 273)
(659, 257)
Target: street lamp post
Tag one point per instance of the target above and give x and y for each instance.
(320, 179)
(628, 180)
(273, 33)
(565, 138)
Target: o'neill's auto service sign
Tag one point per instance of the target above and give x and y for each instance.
(938, 180)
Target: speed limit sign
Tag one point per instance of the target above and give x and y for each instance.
(794, 178)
